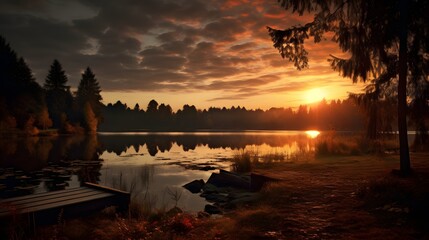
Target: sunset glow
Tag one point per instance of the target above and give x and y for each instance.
(314, 95)
(205, 53)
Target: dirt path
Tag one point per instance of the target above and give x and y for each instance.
(317, 200)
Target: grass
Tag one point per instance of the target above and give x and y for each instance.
(332, 144)
(109, 225)
(343, 196)
(395, 194)
(245, 160)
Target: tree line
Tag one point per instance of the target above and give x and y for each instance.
(27, 106)
(338, 115)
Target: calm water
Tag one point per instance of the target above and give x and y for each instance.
(153, 166)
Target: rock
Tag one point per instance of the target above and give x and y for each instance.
(210, 209)
(243, 197)
(228, 179)
(210, 188)
(194, 186)
(257, 181)
(215, 197)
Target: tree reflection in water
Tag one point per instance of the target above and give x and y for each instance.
(51, 163)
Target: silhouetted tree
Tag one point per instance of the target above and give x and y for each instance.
(21, 97)
(152, 106)
(58, 95)
(380, 37)
(187, 118)
(29, 99)
(341, 115)
(119, 106)
(152, 116)
(88, 92)
(8, 62)
(136, 107)
(165, 114)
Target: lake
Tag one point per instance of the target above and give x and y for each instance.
(153, 166)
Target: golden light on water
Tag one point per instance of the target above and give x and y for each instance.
(312, 133)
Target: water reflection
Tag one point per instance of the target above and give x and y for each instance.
(312, 133)
(162, 142)
(153, 166)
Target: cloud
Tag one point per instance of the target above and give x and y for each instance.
(162, 46)
(240, 84)
(226, 29)
(243, 46)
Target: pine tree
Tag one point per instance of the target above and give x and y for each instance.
(58, 95)
(29, 98)
(88, 92)
(20, 94)
(8, 62)
(56, 79)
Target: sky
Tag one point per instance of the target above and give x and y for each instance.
(198, 52)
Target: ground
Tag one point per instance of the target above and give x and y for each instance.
(328, 197)
(325, 198)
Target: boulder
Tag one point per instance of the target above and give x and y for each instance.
(225, 179)
(195, 186)
(257, 181)
(215, 197)
(237, 198)
(210, 188)
(211, 209)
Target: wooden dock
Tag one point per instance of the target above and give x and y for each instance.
(49, 207)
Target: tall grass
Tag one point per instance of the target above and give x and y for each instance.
(242, 161)
(335, 144)
(245, 160)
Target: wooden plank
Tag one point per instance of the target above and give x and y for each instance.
(43, 197)
(67, 202)
(104, 188)
(36, 195)
(44, 208)
(75, 197)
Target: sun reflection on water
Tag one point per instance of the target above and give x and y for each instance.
(312, 133)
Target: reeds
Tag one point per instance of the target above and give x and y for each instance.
(245, 160)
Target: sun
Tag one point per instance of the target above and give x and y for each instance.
(314, 95)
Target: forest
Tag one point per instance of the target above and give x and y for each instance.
(28, 107)
(335, 115)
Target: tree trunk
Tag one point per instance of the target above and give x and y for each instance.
(372, 122)
(405, 165)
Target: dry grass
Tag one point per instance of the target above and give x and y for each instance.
(246, 160)
(165, 226)
(334, 144)
(337, 196)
